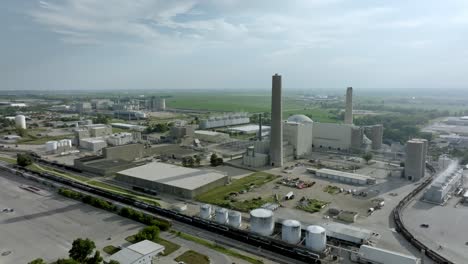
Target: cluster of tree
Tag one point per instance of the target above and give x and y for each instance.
(6, 123)
(158, 128)
(461, 154)
(23, 159)
(70, 118)
(21, 132)
(125, 211)
(266, 118)
(191, 161)
(398, 127)
(367, 157)
(101, 119)
(215, 160)
(144, 218)
(150, 233)
(83, 251)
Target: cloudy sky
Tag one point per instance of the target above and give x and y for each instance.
(225, 44)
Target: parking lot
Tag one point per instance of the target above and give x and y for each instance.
(45, 224)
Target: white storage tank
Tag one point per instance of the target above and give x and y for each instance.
(51, 145)
(205, 211)
(291, 231)
(235, 219)
(221, 215)
(262, 222)
(316, 238)
(20, 121)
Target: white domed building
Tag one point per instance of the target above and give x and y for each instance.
(297, 131)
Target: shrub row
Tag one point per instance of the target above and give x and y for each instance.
(126, 212)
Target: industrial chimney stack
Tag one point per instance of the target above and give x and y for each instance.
(349, 106)
(276, 132)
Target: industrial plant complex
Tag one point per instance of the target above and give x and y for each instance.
(313, 191)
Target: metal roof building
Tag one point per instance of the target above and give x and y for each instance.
(172, 179)
(141, 253)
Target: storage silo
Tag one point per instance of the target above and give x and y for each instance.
(316, 238)
(51, 146)
(221, 216)
(262, 222)
(235, 219)
(20, 121)
(69, 143)
(205, 211)
(291, 231)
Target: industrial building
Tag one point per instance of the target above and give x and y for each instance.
(98, 130)
(372, 255)
(348, 233)
(118, 139)
(334, 136)
(232, 119)
(128, 126)
(178, 132)
(375, 134)
(83, 107)
(129, 114)
(297, 131)
(180, 181)
(156, 104)
(345, 177)
(93, 144)
(210, 136)
(445, 183)
(142, 252)
(101, 104)
(415, 164)
(457, 121)
(249, 129)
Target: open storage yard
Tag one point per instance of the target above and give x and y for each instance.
(46, 225)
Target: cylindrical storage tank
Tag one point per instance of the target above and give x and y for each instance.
(291, 231)
(221, 216)
(205, 211)
(20, 121)
(235, 219)
(69, 142)
(316, 238)
(262, 222)
(51, 145)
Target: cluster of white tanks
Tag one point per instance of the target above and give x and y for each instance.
(262, 222)
(55, 145)
(20, 121)
(222, 215)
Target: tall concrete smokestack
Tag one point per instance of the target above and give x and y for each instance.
(276, 132)
(260, 127)
(349, 106)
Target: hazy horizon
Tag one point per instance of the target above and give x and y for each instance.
(92, 45)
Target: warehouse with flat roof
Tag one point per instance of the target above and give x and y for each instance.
(172, 179)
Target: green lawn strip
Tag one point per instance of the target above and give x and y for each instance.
(39, 168)
(8, 160)
(216, 247)
(117, 189)
(192, 257)
(220, 195)
(312, 205)
(170, 247)
(111, 249)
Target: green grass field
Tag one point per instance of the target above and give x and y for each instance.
(253, 103)
(216, 247)
(192, 257)
(312, 205)
(8, 160)
(117, 189)
(220, 196)
(111, 249)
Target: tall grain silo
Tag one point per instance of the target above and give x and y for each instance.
(20, 121)
(262, 222)
(235, 219)
(316, 238)
(221, 216)
(205, 211)
(291, 231)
